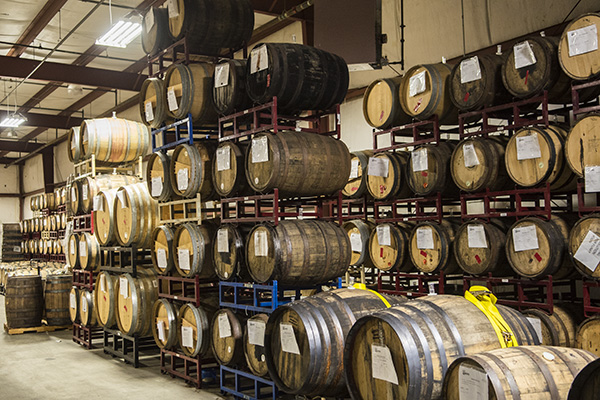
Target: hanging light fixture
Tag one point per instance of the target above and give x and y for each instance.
(12, 121)
(120, 34)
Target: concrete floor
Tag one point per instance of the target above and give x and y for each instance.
(51, 366)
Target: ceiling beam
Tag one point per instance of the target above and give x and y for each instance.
(9, 160)
(23, 147)
(51, 121)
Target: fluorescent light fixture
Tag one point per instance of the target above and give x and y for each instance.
(120, 34)
(12, 121)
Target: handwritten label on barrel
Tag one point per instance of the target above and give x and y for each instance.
(224, 326)
(172, 99)
(524, 56)
(73, 193)
(103, 283)
(121, 197)
(183, 256)
(425, 238)
(470, 70)
(160, 327)
(470, 155)
(582, 40)
(157, 186)
(187, 336)
(173, 8)
(476, 237)
(98, 206)
(356, 242)
(224, 158)
(72, 246)
(259, 59)
(588, 252)
(256, 333)
(222, 75)
(419, 160)
(84, 191)
(84, 307)
(161, 258)
(72, 301)
(378, 166)
(261, 246)
(525, 238)
(260, 149)
(472, 383)
(223, 241)
(82, 248)
(149, 111)
(123, 287)
(592, 179)
(383, 235)
(382, 365)
(149, 20)
(528, 147)
(182, 179)
(289, 344)
(354, 168)
(417, 84)
(536, 323)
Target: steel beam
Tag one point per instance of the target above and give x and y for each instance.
(22, 147)
(51, 121)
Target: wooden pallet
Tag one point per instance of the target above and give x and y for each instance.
(35, 329)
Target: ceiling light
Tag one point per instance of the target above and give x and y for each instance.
(12, 121)
(120, 34)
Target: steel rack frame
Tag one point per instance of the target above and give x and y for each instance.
(413, 134)
(246, 385)
(590, 308)
(129, 348)
(592, 106)
(180, 132)
(189, 369)
(414, 209)
(124, 259)
(83, 223)
(86, 336)
(189, 290)
(84, 279)
(184, 210)
(92, 167)
(415, 284)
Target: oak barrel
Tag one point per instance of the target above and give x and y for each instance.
(558, 328)
(582, 144)
(191, 170)
(586, 385)
(74, 304)
(24, 301)
(88, 314)
(135, 300)
(162, 249)
(381, 104)
(89, 252)
(229, 257)
(479, 248)
(192, 250)
(158, 176)
(356, 186)
(229, 93)
(386, 175)
(189, 89)
(227, 337)
(106, 291)
(74, 149)
(429, 170)
(73, 250)
(228, 169)
(194, 327)
(114, 140)
(153, 102)
(578, 57)
(582, 238)
(91, 187)
(155, 30)
(103, 217)
(588, 335)
(388, 247)
(74, 199)
(359, 232)
(164, 328)
(254, 344)
(135, 215)
(430, 246)
(56, 299)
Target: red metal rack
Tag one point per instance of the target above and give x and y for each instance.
(413, 209)
(188, 368)
(188, 290)
(590, 308)
(349, 209)
(592, 106)
(83, 223)
(416, 284)
(85, 336)
(84, 279)
(413, 134)
(582, 207)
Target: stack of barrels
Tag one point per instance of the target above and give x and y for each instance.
(42, 233)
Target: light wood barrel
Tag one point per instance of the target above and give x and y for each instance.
(196, 319)
(549, 258)
(297, 163)
(430, 246)
(558, 329)
(587, 226)
(429, 170)
(192, 250)
(153, 102)
(478, 163)
(537, 155)
(88, 315)
(106, 291)
(135, 215)
(103, 217)
(74, 140)
(63, 221)
(158, 176)
(24, 301)
(89, 252)
(587, 383)
(191, 86)
(254, 344)
(479, 248)
(56, 299)
(588, 335)
(430, 93)
(422, 337)
(50, 201)
(229, 256)
(73, 250)
(91, 187)
(359, 232)
(74, 304)
(114, 140)
(135, 300)
(191, 170)
(228, 169)
(164, 328)
(315, 328)
(535, 372)
(229, 87)
(579, 60)
(388, 247)
(162, 249)
(155, 31)
(581, 144)
(32, 203)
(381, 104)
(74, 199)
(356, 186)
(391, 182)
(298, 252)
(227, 334)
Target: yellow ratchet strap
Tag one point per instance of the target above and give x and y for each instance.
(362, 286)
(485, 300)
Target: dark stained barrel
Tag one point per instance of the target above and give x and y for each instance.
(558, 328)
(229, 257)
(229, 87)
(586, 384)
(193, 326)
(56, 299)
(155, 30)
(429, 170)
(227, 337)
(430, 246)
(254, 344)
(24, 302)
(479, 248)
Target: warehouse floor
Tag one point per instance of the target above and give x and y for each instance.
(52, 366)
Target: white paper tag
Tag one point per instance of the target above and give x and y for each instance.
(73, 193)
(161, 258)
(97, 203)
(536, 323)
(157, 186)
(121, 197)
(419, 160)
(84, 191)
(72, 301)
(288, 339)
(260, 149)
(123, 287)
(259, 59)
(222, 75)
(182, 179)
(82, 248)
(223, 241)
(224, 326)
(476, 237)
(172, 99)
(224, 158)
(84, 307)
(356, 242)
(378, 166)
(525, 238)
(592, 179)
(424, 238)
(383, 235)
(582, 40)
(470, 70)
(261, 246)
(528, 147)
(173, 8)
(183, 256)
(523, 55)
(588, 252)
(72, 246)
(149, 20)
(149, 111)
(354, 169)
(103, 283)
(187, 336)
(256, 333)
(417, 84)
(472, 383)
(160, 327)
(382, 365)
(470, 155)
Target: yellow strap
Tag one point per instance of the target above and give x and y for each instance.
(362, 286)
(485, 301)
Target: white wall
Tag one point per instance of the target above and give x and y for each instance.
(33, 174)
(9, 209)
(62, 166)
(9, 183)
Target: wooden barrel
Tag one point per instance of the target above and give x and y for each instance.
(304, 340)
(359, 232)
(558, 328)
(425, 92)
(135, 215)
(164, 328)
(158, 176)
(581, 240)
(74, 304)
(103, 217)
(381, 104)
(91, 187)
(188, 91)
(73, 250)
(297, 163)
(356, 186)
(541, 248)
(24, 301)
(114, 140)
(155, 30)
(192, 250)
(302, 77)
(476, 82)
(227, 337)
(74, 201)
(588, 335)
(229, 257)
(135, 300)
(228, 169)
(578, 57)
(210, 28)
(50, 203)
(89, 252)
(586, 384)
(537, 155)
(386, 176)
(479, 248)
(581, 144)
(74, 140)
(153, 102)
(388, 247)
(229, 87)
(193, 327)
(417, 341)
(106, 291)
(56, 299)
(63, 221)
(162, 249)
(191, 170)
(534, 372)
(32, 203)
(254, 344)
(430, 246)
(478, 163)
(429, 170)
(298, 252)
(88, 314)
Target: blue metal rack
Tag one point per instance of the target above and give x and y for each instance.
(184, 133)
(244, 383)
